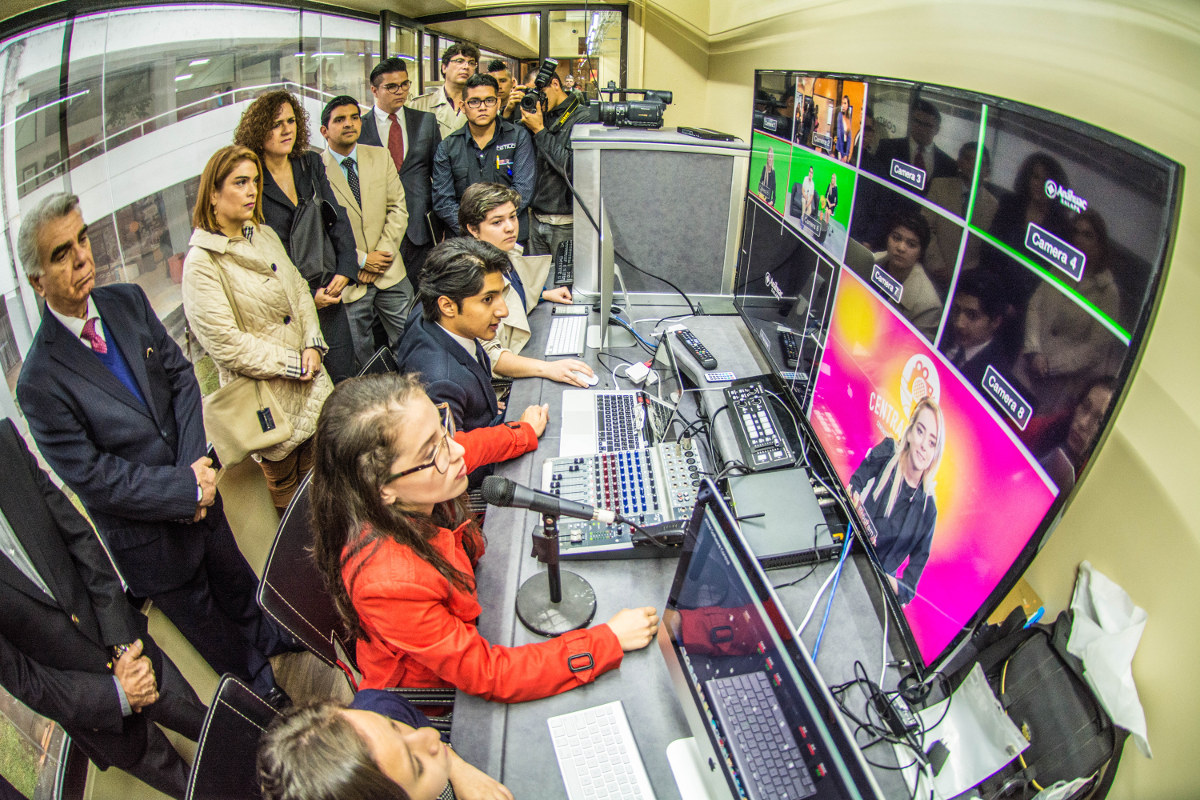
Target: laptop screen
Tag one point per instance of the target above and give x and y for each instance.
(723, 625)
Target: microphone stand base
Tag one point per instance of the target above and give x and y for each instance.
(542, 616)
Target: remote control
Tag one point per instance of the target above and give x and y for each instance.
(697, 349)
(719, 377)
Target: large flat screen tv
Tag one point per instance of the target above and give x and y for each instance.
(957, 288)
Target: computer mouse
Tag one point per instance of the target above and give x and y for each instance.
(590, 380)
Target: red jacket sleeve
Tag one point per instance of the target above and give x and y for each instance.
(412, 617)
(496, 443)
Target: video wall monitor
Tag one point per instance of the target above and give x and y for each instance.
(970, 313)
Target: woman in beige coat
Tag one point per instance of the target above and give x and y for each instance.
(281, 341)
(488, 212)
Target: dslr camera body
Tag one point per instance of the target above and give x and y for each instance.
(535, 98)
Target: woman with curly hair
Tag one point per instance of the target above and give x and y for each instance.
(275, 127)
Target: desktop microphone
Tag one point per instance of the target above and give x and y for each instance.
(499, 491)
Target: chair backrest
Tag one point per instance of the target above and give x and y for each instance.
(225, 766)
(381, 363)
(292, 590)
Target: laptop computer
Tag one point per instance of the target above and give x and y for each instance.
(607, 421)
(765, 724)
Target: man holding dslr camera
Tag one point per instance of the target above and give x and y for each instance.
(551, 113)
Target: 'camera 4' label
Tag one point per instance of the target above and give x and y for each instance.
(1067, 258)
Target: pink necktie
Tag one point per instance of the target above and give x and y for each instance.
(93, 338)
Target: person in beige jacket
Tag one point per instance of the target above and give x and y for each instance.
(281, 339)
(488, 212)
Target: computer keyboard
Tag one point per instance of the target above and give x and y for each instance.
(618, 423)
(567, 335)
(564, 263)
(597, 755)
(759, 738)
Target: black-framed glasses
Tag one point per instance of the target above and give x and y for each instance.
(487, 102)
(396, 88)
(441, 451)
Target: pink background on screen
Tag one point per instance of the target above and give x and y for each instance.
(990, 498)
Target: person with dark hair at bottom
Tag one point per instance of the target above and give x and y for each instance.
(412, 137)
(489, 213)
(977, 315)
(275, 127)
(907, 238)
(553, 206)
(115, 410)
(72, 648)
(459, 62)
(462, 302)
(380, 747)
(398, 549)
(485, 150)
(916, 148)
(1062, 442)
(366, 184)
(893, 488)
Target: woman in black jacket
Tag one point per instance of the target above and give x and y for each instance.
(275, 127)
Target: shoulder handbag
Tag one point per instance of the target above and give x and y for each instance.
(243, 416)
(310, 245)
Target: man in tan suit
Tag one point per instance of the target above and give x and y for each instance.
(952, 194)
(366, 184)
(459, 62)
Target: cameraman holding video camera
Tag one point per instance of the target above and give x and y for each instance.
(551, 113)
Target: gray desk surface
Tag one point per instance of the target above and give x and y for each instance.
(512, 742)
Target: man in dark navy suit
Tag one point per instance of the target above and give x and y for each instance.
(72, 648)
(412, 141)
(115, 409)
(916, 148)
(462, 301)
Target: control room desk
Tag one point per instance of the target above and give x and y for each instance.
(512, 742)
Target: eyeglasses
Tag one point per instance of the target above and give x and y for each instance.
(458, 61)
(441, 451)
(396, 88)
(486, 102)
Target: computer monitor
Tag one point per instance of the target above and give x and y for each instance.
(723, 624)
(990, 275)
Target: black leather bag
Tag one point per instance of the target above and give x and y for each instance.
(310, 240)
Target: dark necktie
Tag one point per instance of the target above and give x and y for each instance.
(919, 161)
(352, 179)
(395, 141)
(515, 279)
(484, 362)
(93, 338)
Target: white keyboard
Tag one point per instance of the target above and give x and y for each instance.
(567, 335)
(597, 755)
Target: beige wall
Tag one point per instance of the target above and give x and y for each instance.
(1131, 67)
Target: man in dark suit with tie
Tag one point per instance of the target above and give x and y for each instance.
(72, 648)
(462, 301)
(115, 409)
(916, 148)
(412, 143)
(976, 339)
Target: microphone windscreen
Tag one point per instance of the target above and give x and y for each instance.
(497, 491)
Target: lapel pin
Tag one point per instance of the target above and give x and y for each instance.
(149, 352)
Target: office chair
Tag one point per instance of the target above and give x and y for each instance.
(381, 363)
(292, 592)
(225, 767)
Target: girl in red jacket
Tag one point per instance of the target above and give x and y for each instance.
(398, 549)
